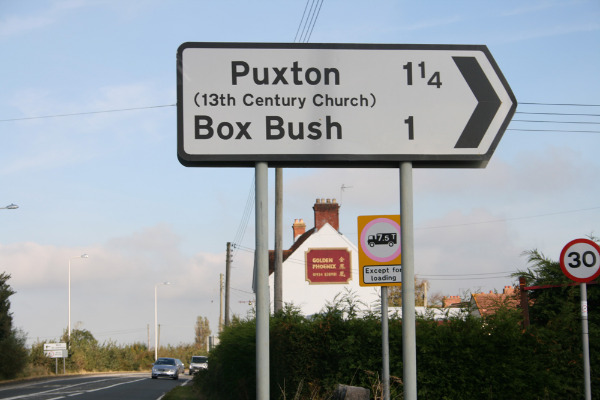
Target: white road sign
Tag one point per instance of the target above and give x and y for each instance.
(377, 275)
(580, 260)
(55, 346)
(56, 353)
(339, 104)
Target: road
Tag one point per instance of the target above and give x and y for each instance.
(133, 386)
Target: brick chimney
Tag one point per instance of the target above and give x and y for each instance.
(448, 301)
(508, 290)
(327, 211)
(299, 228)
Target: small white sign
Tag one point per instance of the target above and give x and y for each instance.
(378, 274)
(56, 353)
(55, 346)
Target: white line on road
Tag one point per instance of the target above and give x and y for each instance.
(25, 396)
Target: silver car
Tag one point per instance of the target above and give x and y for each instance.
(180, 365)
(165, 366)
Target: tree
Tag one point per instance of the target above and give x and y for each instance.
(436, 299)
(395, 294)
(12, 341)
(559, 302)
(555, 312)
(202, 331)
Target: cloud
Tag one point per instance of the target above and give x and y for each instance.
(15, 25)
(33, 265)
(113, 289)
(455, 258)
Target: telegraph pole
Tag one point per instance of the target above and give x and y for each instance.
(220, 303)
(227, 282)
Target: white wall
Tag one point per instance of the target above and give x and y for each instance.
(312, 298)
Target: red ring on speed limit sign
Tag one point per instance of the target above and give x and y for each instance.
(580, 260)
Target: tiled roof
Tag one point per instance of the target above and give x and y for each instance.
(489, 303)
(287, 253)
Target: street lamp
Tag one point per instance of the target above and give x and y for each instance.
(11, 206)
(69, 325)
(156, 317)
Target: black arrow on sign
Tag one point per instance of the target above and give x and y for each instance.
(487, 106)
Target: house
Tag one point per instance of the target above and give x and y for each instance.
(483, 304)
(452, 302)
(321, 264)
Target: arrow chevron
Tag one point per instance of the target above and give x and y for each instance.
(488, 103)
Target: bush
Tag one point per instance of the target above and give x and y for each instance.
(490, 358)
(12, 341)
(87, 355)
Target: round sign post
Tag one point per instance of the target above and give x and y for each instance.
(580, 262)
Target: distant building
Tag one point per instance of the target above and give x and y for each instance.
(435, 313)
(483, 304)
(309, 269)
(453, 302)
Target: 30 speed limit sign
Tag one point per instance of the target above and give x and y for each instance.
(580, 260)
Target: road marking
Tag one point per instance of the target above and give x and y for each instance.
(25, 396)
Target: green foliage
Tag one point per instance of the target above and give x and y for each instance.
(232, 376)
(555, 322)
(183, 393)
(87, 355)
(12, 341)
(308, 355)
(460, 358)
(202, 331)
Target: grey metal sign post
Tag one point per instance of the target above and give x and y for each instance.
(338, 105)
(261, 257)
(409, 341)
(580, 262)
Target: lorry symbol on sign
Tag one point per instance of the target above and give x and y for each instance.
(382, 238)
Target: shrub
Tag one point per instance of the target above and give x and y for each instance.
(491, 358)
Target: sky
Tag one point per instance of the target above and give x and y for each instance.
(88, 152)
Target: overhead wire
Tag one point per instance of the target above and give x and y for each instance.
(86, 113)
(305, 29)
(300, 25)
(556, 121)
(559, 104)
(314, 20)
(472, 276)
(554, 113)
(307, 23)
(241, 231)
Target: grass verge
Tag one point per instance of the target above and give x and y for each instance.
(187, 392)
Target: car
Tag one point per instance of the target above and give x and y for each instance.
(180, 365)
(165, 366)
(198, 363)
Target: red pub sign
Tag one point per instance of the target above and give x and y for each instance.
(328, 266)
